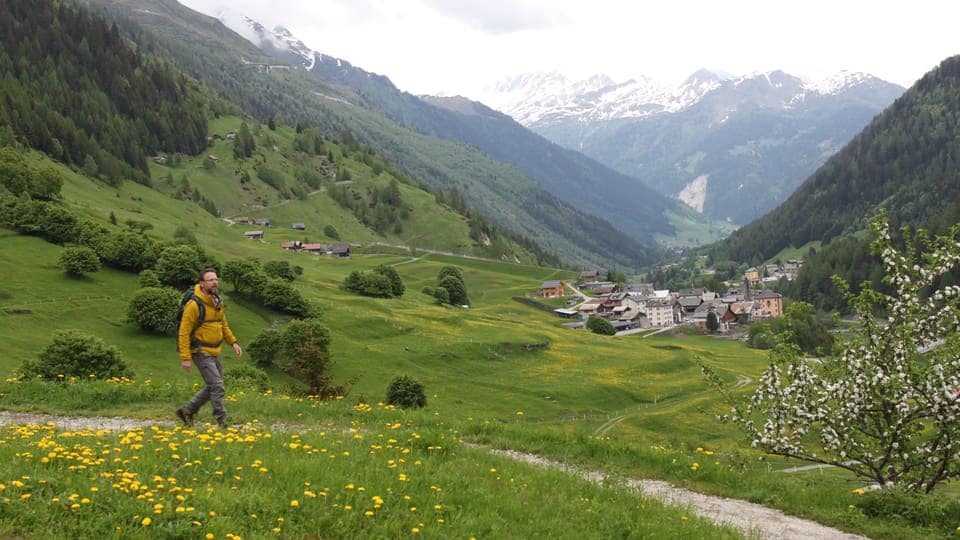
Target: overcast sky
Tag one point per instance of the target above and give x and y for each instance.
(448, 47)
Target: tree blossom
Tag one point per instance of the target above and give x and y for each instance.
(885, 404)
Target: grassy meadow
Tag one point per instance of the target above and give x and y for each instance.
(497, 374)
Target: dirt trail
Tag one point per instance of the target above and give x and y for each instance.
(753, 520)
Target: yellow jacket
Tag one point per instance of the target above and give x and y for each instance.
(211, 334)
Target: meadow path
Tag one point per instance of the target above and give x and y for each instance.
(753, 520)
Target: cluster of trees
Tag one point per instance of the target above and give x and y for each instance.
(244, 145)
(481, 228)
(20, 177)
(73, 88)
(381, 282)
(268, 284)
(450, 288)
(381, 208)
(301, 348)
(799, 326)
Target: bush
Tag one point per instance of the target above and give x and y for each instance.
(456, 290)
(154, 309)
(79, 260)
(917, 509)
(265, 347)
(599, 325)
(246, 376)
(74, 354)
(406, 393)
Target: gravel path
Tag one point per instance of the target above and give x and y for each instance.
(754, 520)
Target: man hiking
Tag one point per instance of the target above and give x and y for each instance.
(203, 328)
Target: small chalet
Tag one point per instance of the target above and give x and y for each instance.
(241, 219)
(340, 249)
(296, 245)
(320, 249)
(261, 221)
(567, 313)
(253, 235)
(551, 289)
(588, 275)
(605, 288)
(299, 226)
(590, 307)
(214, 158)
(231, 135)
(160, 160)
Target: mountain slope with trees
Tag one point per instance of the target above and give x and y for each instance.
(500, 192)
(906, 161)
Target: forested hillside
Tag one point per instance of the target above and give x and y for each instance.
(500, 192)
(906, 161)
(73, 89)
(118, 113)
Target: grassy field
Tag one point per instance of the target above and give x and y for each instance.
(498, 373)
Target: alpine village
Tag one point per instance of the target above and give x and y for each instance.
(460, 321)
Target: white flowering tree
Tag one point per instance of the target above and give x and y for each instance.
(885, 405)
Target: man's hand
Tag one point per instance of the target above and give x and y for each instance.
(237, 349)
(186, 364)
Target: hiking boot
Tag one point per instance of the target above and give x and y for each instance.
(222, 424)
(185, 416)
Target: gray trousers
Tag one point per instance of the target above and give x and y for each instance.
(212, 373)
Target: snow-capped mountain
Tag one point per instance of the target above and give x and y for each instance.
(730, 147)
(536, 98)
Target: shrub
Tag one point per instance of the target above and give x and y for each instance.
(154, 309)
(246, 376)
(74, 354)
(599, 325)
(265, 347)
(79, 260)
(406, 393)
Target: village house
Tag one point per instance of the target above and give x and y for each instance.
(240, 219)
(641, 290)
(590, 307)
(588, 275)
(339, 249)
(214, 158)
(299, 226)
(253, 235)
(699, 317)
(752, 276)
(771, 303)
(551, 289)
(295, 245)
(262, 221)
(662, 312)
(622, 306)
(160, 160)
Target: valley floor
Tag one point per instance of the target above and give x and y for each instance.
(754, 520)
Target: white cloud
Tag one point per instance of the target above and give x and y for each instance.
(461, 46)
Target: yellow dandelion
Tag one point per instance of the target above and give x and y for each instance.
(415, 530)
(146, 522)
(294, 503)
